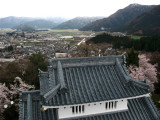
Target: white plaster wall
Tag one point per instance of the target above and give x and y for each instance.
(92, 108)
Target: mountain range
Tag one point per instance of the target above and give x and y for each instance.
(119, 18)
(9, 22)
(147, 23)
(13, 22)
(39, 24)
(77, 23)
(134, 19)
(24, 27)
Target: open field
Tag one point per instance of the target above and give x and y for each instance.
(2, 31)
(135, 37)
(63, 31)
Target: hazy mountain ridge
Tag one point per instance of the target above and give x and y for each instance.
(10, 22)
(119, 18)
(146, 24)
(24, 27)
(77, 23)
(40, 23)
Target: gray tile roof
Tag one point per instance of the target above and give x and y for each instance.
(85, 80)
(138, 109)
(29, 105)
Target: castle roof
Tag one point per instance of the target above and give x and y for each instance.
(138, 109)
(84, 80)
(72, 81)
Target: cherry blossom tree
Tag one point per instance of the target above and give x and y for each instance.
(145, 70)
(3, 93)
(19, 84)
(7, 96)
(3, 98)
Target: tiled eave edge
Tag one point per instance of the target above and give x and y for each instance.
(140, 96)
(129, 80)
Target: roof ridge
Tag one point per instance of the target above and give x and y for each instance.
(85, 61)
(29, 107)
(95, 58)
(129, 80)
(51, 77)
(60, 86)
(61, 77)
(51, 93)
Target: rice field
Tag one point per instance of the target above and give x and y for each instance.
(135, 37)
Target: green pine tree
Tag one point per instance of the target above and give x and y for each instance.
(132, 58)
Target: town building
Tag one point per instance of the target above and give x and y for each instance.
(2, 46)
(88, 88)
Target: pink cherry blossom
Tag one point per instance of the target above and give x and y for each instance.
(7, 95)
(145, 70)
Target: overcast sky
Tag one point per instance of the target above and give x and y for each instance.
(65, 8)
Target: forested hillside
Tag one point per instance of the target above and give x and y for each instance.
(143, 44)
(118, 19)
(146, 24)
(77, 23)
